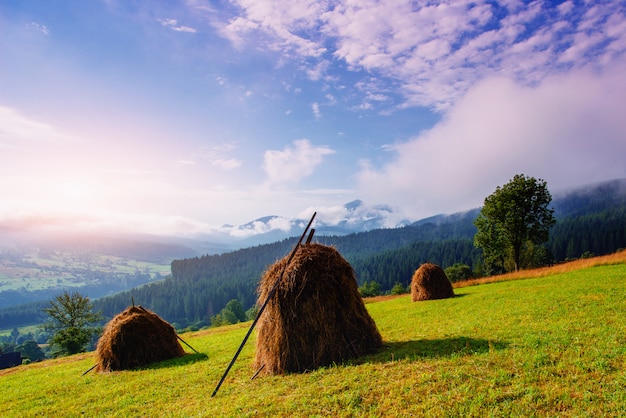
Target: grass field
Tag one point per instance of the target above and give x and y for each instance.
(549, 345)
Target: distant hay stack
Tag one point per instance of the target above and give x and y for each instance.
(135, 338)
(430, 282)
(316, 317)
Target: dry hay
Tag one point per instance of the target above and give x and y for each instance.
(316, 317)
(430, 282)
(135, 338)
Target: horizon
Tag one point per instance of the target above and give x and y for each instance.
(264, 230)
(176, 118)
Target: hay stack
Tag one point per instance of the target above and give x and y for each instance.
(135, 338)
(430, 282)
(316, 317)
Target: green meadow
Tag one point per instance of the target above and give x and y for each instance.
(547, 346)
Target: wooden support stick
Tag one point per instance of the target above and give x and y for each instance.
(90, 369)
(262, 308)
(257, 372)
(308, 240)
(187, 344)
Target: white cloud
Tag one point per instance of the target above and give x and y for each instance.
(355, 215)
(184, 29)
(185, 162)
(258, 227)
(227, 163)
(15, 128)
(39, 28)
(567, 130)
(437, 51)
(292, 164)
(173, 25)
(217, 156)
(315, 107)
(565, 7)
(76, 221)
(279, 19)
(316, 72)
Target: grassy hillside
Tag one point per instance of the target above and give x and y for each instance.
(549, 345)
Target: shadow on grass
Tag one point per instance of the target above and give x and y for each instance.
(429, 349)
(179, 361)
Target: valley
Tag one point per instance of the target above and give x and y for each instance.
(32, 269)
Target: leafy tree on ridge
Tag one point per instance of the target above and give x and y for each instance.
(514, 215)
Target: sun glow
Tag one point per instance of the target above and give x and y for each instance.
(73, 190)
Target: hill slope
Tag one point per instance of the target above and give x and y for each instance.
(533, 347)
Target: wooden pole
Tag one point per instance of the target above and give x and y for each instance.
(90, 369)
(262, 308)
(308, 240)
(184, 342)
(257, 372)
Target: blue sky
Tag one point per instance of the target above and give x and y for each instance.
(182, 116)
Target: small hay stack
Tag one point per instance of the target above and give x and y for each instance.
(430, 282)
(135, 338)
(316, 317)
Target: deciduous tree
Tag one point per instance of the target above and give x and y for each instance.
(31, 350)
(369, 289)
(458, 272)
(72, 321)
(514, 215)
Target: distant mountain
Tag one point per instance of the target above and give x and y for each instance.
(356, 216)
(462, 217)
(591, 198)
(353, 217)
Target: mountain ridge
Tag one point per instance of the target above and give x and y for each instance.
(360, 217)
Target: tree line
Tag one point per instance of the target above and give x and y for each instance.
(594, 234)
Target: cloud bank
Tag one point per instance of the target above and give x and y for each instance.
(568, 130)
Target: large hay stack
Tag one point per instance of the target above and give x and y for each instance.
(316, 317)
(430, 282)
(135, 338)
